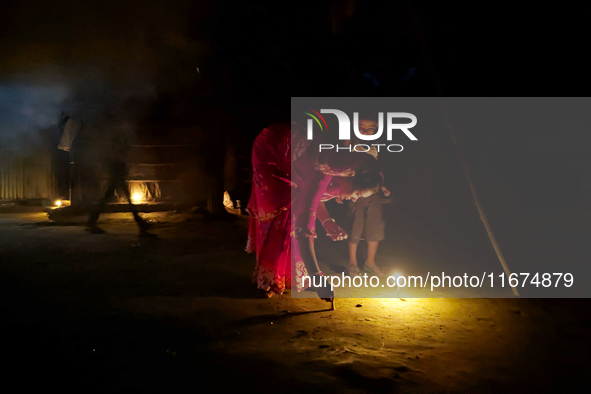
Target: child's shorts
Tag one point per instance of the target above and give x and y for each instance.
(368, 221)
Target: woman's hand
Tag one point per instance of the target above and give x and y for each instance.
(334, 231)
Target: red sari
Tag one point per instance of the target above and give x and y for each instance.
(285, 187)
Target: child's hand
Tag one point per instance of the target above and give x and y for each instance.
(385, 191)
(334, 231)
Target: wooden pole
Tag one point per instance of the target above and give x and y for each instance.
(414, 16)
(483, 218)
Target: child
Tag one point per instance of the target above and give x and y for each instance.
(367, 214)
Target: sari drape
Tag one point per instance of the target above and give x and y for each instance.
(269, 207)
(286, 190)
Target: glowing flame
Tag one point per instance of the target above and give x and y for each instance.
(396, 274)
(228, 201)
(137, 197)
(58, 203)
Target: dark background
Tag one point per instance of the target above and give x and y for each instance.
(136, 61)
(253, 57)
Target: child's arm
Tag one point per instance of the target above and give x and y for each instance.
(384, 188)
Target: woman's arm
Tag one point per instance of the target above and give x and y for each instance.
(333, 230)
(306, 246)
(322, 213)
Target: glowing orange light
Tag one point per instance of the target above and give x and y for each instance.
(136, 197)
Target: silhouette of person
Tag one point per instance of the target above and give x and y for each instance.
(117, 173)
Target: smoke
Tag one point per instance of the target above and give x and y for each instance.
(98, 62)
(30, 105)
(24, 109)
(27, 108)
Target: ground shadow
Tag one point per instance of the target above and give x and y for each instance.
(271, 317)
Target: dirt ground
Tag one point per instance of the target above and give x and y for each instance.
(116, 313)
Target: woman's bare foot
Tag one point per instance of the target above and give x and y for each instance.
(324, 292)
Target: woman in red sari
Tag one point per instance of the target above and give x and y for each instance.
(290, 185)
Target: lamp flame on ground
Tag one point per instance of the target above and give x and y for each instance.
(58, 203)
(397, 274)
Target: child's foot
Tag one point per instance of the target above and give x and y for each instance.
(354, 270)
(374, 269)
